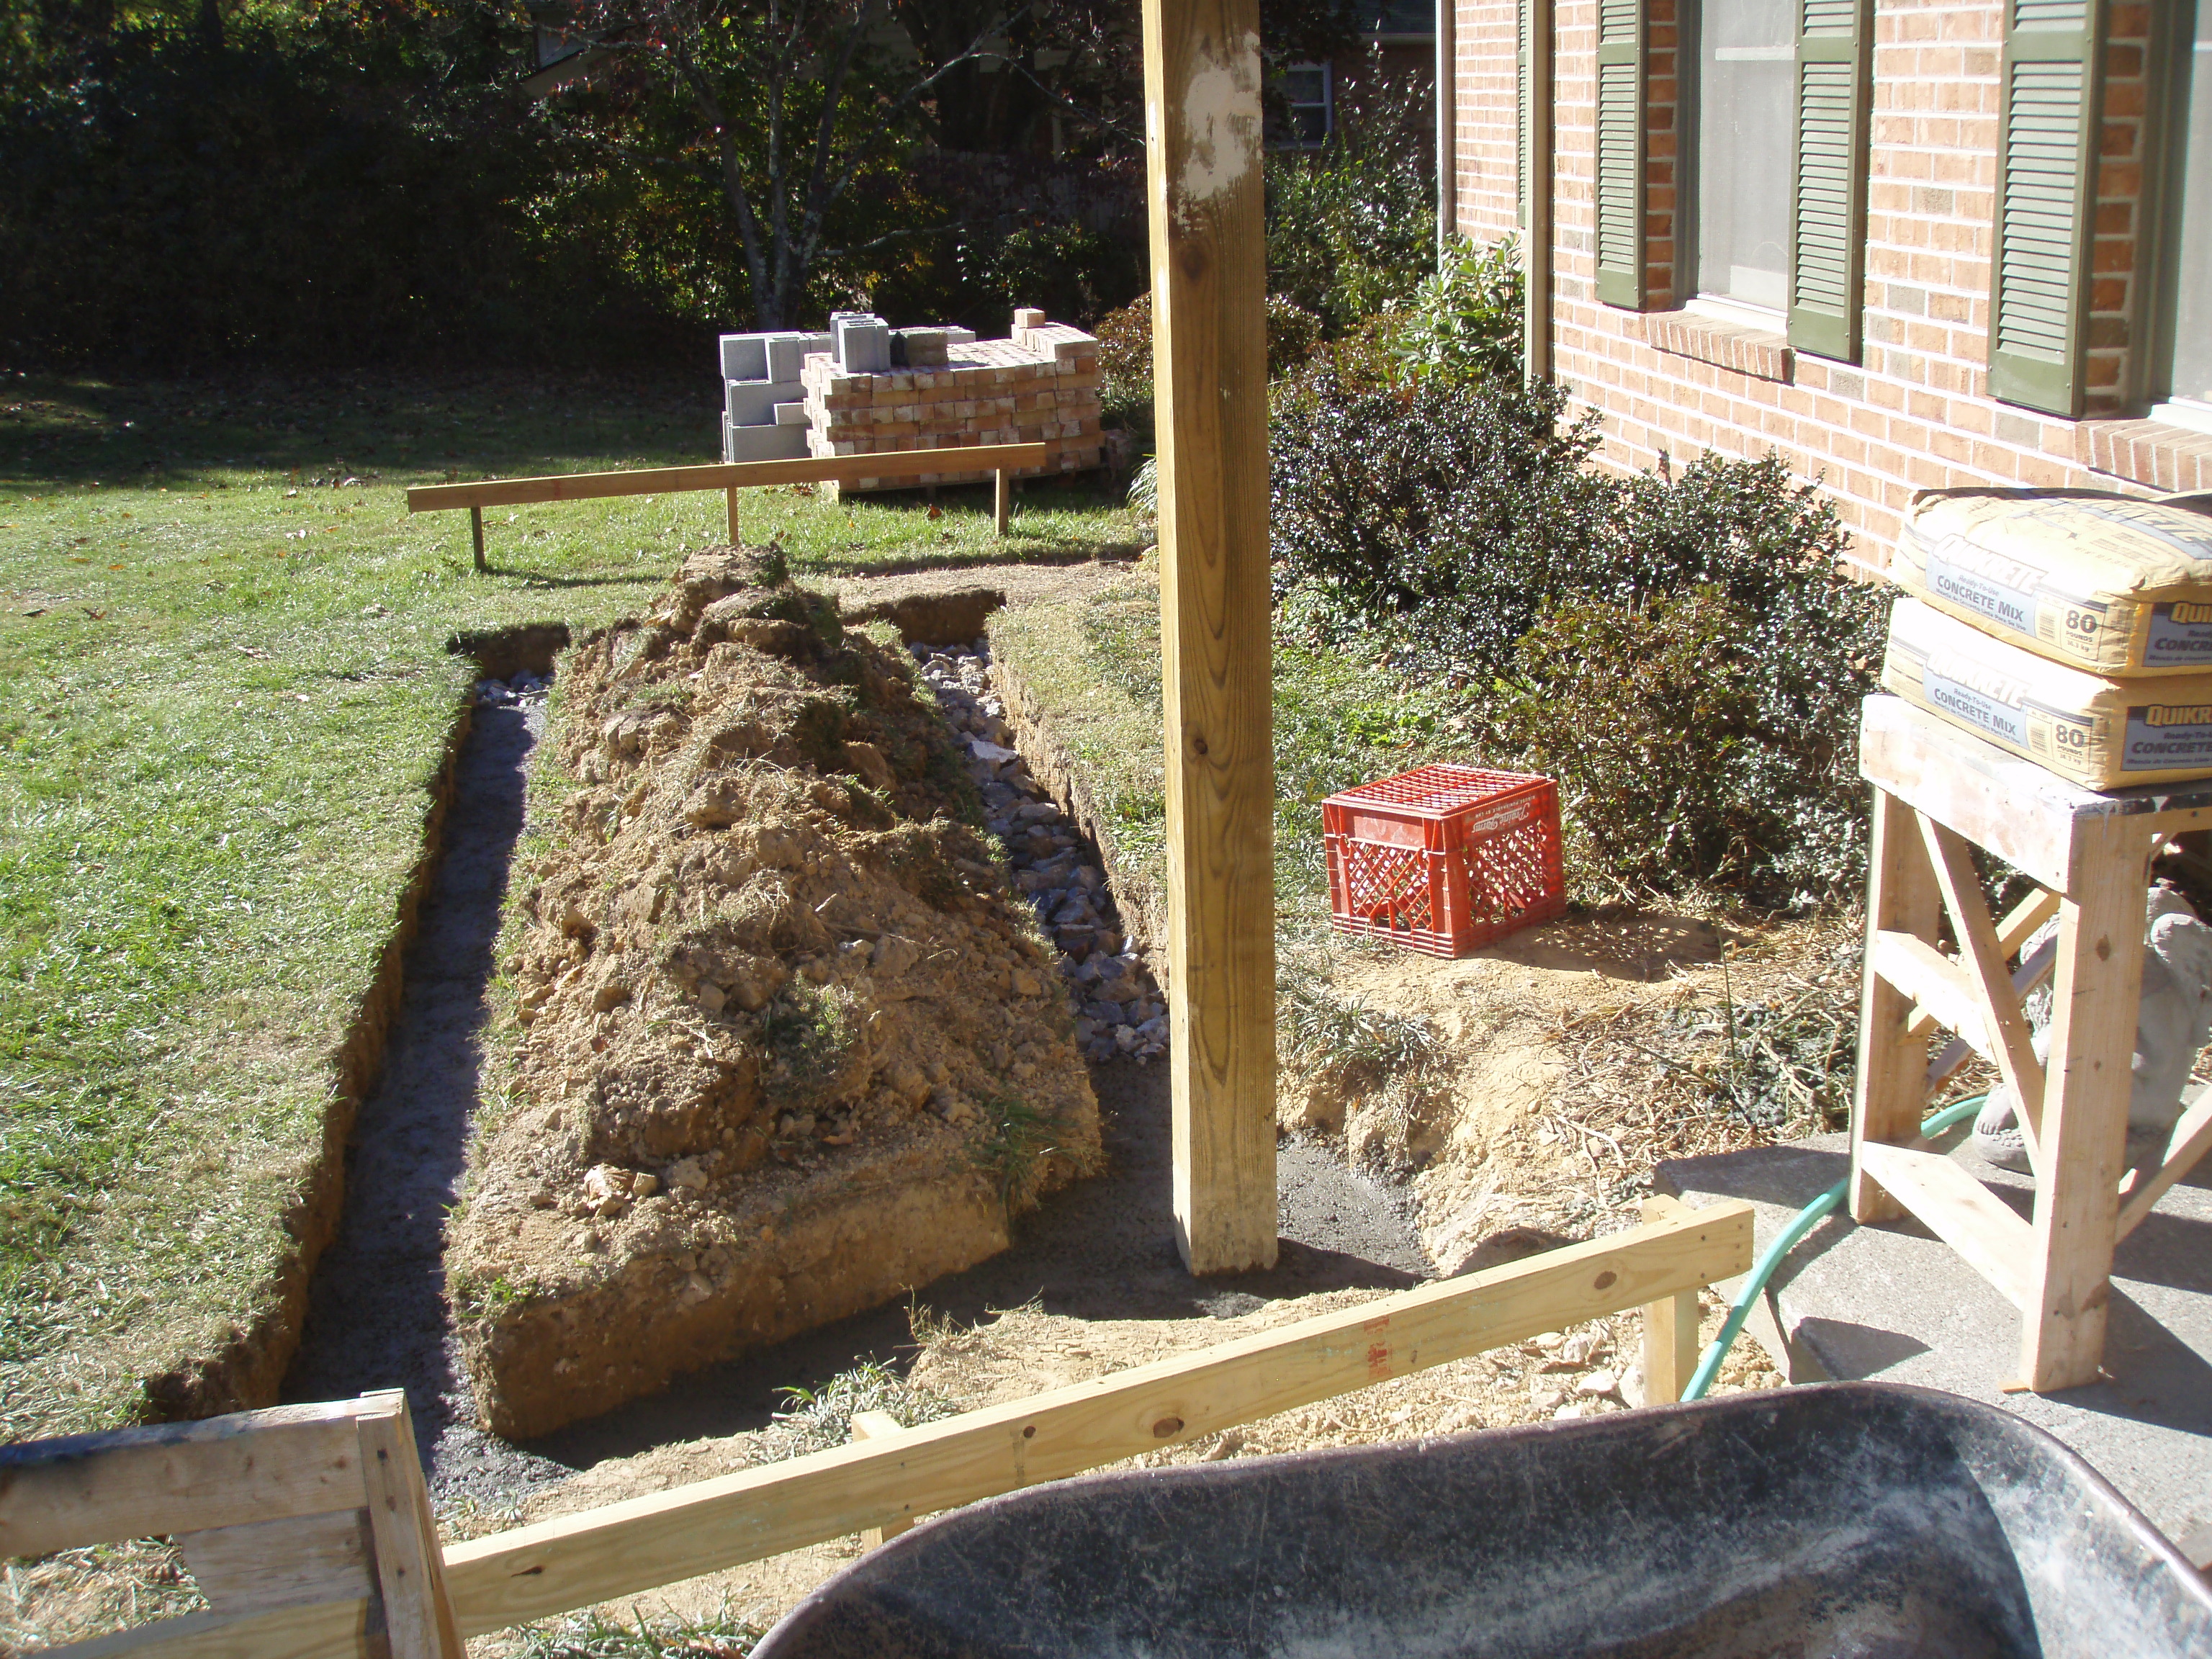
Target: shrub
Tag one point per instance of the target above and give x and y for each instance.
(1125, 341)
(1443, 512)
(1352, 227)
(1466, 317)
(1678, 648)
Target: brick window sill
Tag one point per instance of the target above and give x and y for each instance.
(1752, 351)
(2172, 460)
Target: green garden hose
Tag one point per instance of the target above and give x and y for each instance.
(1802, 1224)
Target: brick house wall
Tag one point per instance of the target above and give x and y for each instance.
(1915, 411)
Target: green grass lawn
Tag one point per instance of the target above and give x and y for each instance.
(224, 687)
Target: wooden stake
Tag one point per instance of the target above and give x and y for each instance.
(881, 1425)
(1002, 498)
(476, 529)
(730, 500)
(1210, 352)
(1670, 1324)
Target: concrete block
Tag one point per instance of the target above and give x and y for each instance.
(744, 356)
(767, 443)
(864, 344)
(752, 403)
(788, 353)
(791, 414)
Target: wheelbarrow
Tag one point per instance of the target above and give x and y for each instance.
(1858, 1519)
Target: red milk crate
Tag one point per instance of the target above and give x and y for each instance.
(1445, 859)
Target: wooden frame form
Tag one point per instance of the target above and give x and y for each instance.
(1206, 193)
(888, 1476)
(306, 1527)
(1002, 460)
(1939, 792)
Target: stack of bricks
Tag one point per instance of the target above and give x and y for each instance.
(1040, 385)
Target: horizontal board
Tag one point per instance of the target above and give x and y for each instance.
(742, 475)
(627, 1548)
(326, 1629)
(1959, 1210)
(179, 1478)
(282, 1563)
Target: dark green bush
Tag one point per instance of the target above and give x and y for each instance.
(1680, 649)
(1443, 513)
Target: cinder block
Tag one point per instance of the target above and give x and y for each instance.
(752, 403)
(767, 443)
(791, 414)
(864, 344)
(788, 353)
(744, 356)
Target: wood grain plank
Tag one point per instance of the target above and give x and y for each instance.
(2185, 1148)
(1961, 1211)
(1930, 979)
(731, 474)
(1204, 154)
(282, 1563)
(418, 1616)
(2012, 1047)
(2020, 922)
(1887, 1095)
(627, 1547)
(178, 1478)
(2085, 1106)
(320, 1630)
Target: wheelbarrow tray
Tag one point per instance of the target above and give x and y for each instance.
(1857, 1519)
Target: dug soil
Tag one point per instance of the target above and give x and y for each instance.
(785, 1045)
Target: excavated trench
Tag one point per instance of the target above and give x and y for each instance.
(378, 1315)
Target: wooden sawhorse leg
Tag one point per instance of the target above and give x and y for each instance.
(1892, 1090)
(2085, 1108)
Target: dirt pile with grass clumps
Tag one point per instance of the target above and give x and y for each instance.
(781, 1046)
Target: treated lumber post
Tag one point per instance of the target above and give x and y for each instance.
(2084, 1105)
(476, 532)
(1210, 352)
(730, 500)
(1002, 498)
(1892, 1090)
(879, 1426)
(1670, 1325)
(418, 1616)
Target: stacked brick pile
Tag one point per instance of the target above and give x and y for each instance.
(1040, 385)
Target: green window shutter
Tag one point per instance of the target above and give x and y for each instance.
(1827, 212)
(1620, 121)
(2046, 167)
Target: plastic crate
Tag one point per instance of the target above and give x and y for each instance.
(1445, 859)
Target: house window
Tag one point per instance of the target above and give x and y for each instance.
(2191, 382)
(1746, 112)
(1306, 92)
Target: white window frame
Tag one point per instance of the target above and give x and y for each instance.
(1689, 193)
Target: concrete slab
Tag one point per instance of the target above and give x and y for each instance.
(1892, 1302)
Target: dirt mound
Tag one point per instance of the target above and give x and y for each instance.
(783, 1046)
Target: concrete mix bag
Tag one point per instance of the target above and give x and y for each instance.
(2101, 733)
(2107, 583)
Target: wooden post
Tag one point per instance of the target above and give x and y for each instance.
(730, 500)
(1206, 193)
(1892, 1070)
(418, 1615)
(476, 531)
(877, 1425)
(1670, 1325)
(2094, 1009)
(1002, 498)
